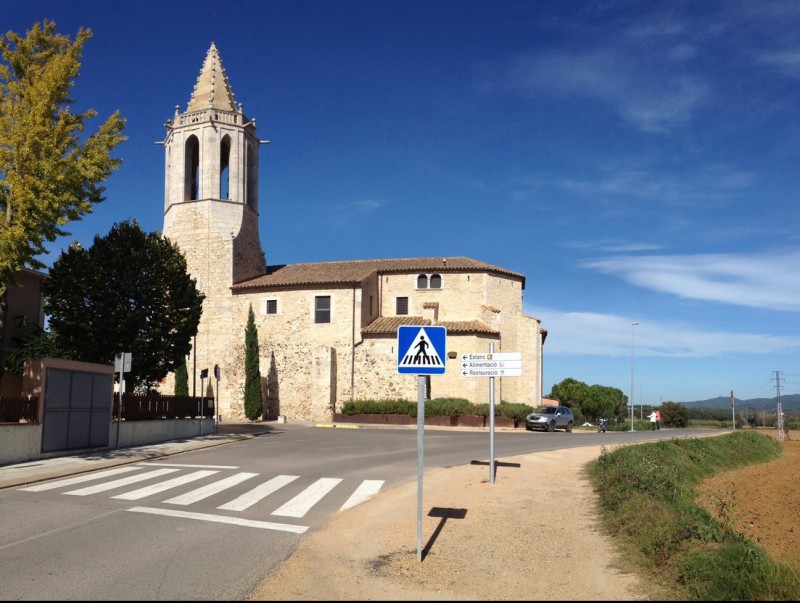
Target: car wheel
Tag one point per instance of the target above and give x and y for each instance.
(569, 427)
(551, 426)
(529, 428)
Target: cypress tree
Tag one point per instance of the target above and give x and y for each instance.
(253, 404)
(182, 380)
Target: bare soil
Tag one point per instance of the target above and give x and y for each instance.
(761, 502)
(531, 535)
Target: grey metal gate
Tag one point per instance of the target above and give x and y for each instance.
(77, 409)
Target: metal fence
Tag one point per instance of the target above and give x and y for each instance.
(135, 407)
(139, 407)
(18, 410)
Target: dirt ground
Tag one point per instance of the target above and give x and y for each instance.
(762, 502)
(532, 535)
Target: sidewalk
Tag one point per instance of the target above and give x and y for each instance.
(21, 474)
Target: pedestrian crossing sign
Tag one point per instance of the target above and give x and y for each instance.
(421, 350)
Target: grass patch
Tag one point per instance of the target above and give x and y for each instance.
(647, 500)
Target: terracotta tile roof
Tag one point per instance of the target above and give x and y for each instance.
(387, 325)
(355, 271)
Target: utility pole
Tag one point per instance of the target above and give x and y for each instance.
(733, 412)
(781, 433)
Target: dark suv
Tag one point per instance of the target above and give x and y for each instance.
(550, 418)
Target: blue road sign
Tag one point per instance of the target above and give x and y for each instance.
(421, 350)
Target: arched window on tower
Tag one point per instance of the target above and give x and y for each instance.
(191, 170)
(224, 165)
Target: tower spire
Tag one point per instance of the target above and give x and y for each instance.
(212, 89)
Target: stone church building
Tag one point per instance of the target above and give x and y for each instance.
(327, 331)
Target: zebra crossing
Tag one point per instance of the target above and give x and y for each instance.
(136, 482)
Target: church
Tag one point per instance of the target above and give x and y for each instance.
(327, 331)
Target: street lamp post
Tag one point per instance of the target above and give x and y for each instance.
(633, 324)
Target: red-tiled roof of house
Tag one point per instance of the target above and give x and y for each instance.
(355, 271)
(388, 325)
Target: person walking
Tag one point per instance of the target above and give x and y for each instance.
(652, 416)
(658, 418)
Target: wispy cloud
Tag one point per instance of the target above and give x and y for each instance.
(611, 246)
(594, 334)
(363, 204)
(768, 280)
(628, 86)
(786, 62)
(713, 184)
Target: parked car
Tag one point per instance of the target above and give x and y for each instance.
(550, 418)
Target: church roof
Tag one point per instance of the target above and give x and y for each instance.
(388, 325)
(355, 271)
(212, 89)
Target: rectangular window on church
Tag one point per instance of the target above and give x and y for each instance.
(402, 306)
(272, 306)
(322, 308)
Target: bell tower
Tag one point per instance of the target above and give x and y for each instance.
(211, 204)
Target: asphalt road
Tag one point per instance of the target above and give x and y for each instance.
(209, 524)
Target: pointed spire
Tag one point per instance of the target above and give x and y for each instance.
(212, 89)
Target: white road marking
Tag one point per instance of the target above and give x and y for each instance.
(367, 489)
(159, 464)
(160, 487)
(210, 490)
(118, 483)
(250, 498)
(300, 504)
(248, 523)
(71, 481)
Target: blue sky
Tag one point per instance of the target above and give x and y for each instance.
(639, 162)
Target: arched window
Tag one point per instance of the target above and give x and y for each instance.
(422, 281)
(436, 281)
(224, 165)
(191, 170)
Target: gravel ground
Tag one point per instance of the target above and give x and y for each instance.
(532, 535)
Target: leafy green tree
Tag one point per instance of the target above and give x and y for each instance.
(50, 172)
(182, 380)
(674, 414)
(253, 402)
(570, 392)
(604, 401)
(129, 292)
(38, 344)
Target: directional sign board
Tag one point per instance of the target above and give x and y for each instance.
(421, 350)
(501, 364)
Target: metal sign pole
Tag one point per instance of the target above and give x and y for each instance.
(420, 455)
(216, 400)
(491, 422)
(421, 351)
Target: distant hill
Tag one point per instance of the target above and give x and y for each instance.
(788, 402)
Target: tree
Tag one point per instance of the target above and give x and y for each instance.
(182, 380)
(570, 392)
(50, 173)
(604, 401)
(674, 414)
(253, 403)
(38, 344)
(129, 292)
